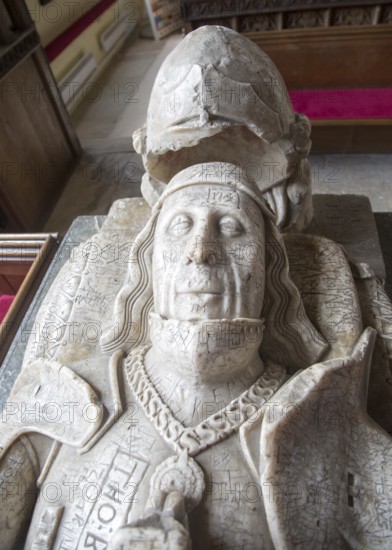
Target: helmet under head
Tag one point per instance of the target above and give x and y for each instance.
(219, 98)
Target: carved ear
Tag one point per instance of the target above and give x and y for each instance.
(139, 138)
(300, 134)
(290, 339)
(151, 189)
(135, 299)
(299, 192)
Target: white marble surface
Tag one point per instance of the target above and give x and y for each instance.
(218, 402)
(196, 378)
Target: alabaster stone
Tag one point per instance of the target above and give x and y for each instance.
(200, 379)
(218, 97)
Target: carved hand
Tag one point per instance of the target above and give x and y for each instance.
(158, 529)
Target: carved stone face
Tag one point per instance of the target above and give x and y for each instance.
(208, 260)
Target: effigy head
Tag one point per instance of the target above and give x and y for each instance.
(211, 250)
(209, 246)
(219, 98)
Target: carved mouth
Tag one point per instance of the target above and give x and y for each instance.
(200, 282)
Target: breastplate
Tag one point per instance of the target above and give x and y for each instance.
(86, 498)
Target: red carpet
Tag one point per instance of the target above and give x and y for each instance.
(343, 103)
(5, 303)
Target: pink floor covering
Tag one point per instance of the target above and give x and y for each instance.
(343, 103)
(5, 304)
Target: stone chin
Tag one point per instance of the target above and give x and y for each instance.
(203, 304)
(206, 350)
(199, 305)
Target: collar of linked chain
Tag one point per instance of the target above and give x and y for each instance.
(216, 427)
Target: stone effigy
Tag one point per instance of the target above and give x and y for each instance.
(218, 97)
(225, 405)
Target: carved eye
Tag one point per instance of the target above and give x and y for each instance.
(180, 225)
(230, 227)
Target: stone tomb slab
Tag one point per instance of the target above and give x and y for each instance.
(346, 219)
(349, 221)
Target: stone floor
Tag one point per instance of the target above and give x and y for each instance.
(123, 92)
(110, 169)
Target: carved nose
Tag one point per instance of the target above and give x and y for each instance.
(199, 253)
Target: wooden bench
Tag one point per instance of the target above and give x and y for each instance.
(24, 259)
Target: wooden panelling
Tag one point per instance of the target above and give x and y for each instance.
(336, 57)
(10, 284)
(38, 141)
(36, 151)
(351, 136)
(330, 57)
(21, 275)
(10, 269)
(6, 286)
(18, 252)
